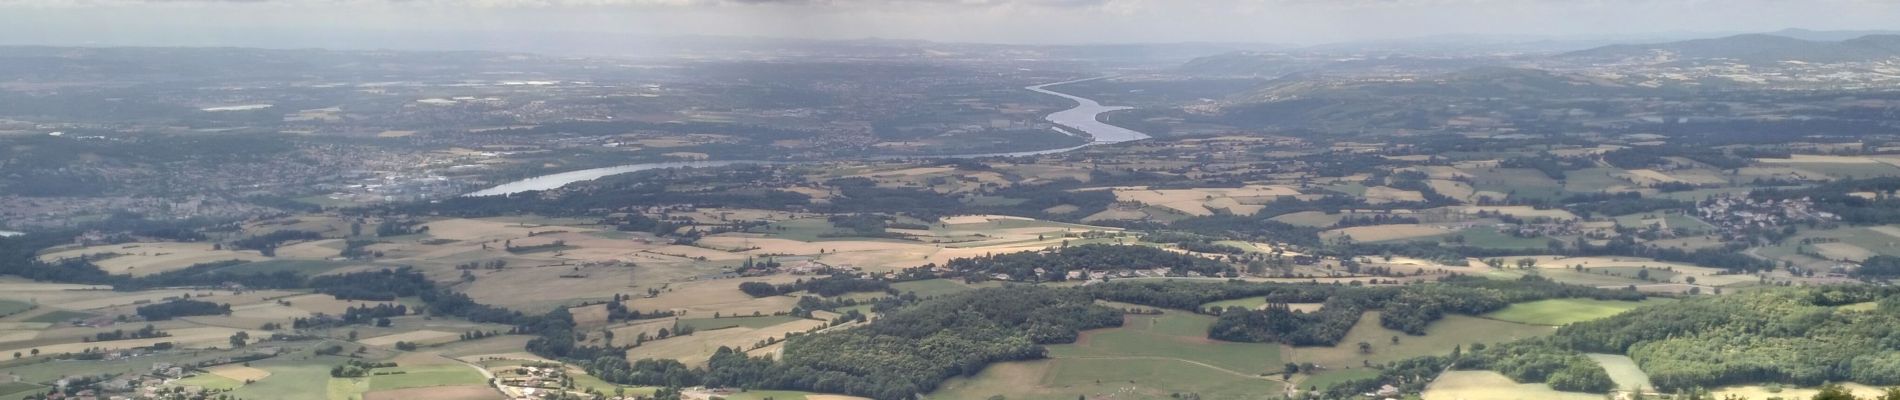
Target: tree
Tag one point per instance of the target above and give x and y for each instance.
(239, 339)
(1365, 348)
(1834, 391)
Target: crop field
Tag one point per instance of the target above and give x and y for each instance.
(694, 349)
(1488, 237)
(1065, 379)
(14, 390)
(459, 392)
(707, 324)
(1198, 201)
(209, 381)
(1487, 385)
(1384, 233)
(1526, 212)
(10, 307)
(141, 259)
(1175, 336)
(416, 376)
(1556, 312)
(1440, 337)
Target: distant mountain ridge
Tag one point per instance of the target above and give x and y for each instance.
(1754, 48)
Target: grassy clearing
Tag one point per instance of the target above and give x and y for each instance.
(1555, 312)
(1155, 378)
(706, 324)
(1172, 336)
(1245, 302)
(1623, 370)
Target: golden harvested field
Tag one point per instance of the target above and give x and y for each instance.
(1381, 233)
(626, 333)
(418, 337)
(1647, 177)
(323, 303)
(1487, 385)
(1517, 211)
(1452, 189)
(1893, 231)
(694, 349)
(477, 230)
(1195, 201)
(703, 298)
(239, 372)
(312, 250)
(462, 392)
(1762, 392)
(140, 259)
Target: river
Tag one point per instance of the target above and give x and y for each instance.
(1082, 117)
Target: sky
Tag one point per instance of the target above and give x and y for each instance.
(398, 23)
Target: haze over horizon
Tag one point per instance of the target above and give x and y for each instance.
(348, 23)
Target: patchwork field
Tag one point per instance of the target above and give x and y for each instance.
(1203, 201)
(140, 259)
(1623, 371)
(694, 349)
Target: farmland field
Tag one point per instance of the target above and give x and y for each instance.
(292, 379)
(706, 324)
(1327, 379)
(408, 376)
(209, 381)
(1065, 379)
(1565, 311)
(1439, 338)
(1174, 335)
(1487, 385)
(10, 307)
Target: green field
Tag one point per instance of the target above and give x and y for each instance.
(1314, 219)
(58, 316)
(1175, 336)
(1592, 180)
(707, 324)
(1439, 338)
(1517, 182)
(1327, 379)
(425, 376)
(14, 390)
(1848, 170)
(932, 287)
(292, 379)
(1487, 237)
(1565, 311)
(764, 394)
(1244, 302)
(1068, 379)
(10, 307)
